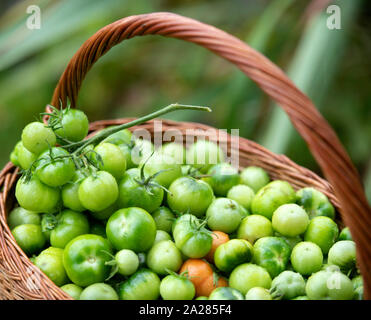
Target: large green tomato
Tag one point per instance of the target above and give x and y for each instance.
(29, 237)
(35, 196)
(222, 177)
(288, 285)
(254, 177)
(290, 220)
(99, 191)
(142, 285)
(131, 228)
(315, 203)
(99, 291)
(70, 224)
(36, 137)
(242, 194)
(164, 219)
(50, 261)
(85, 259)
(226, 293)
(343, 254)
(187, 194)
(258, 293)
(164, 256)
(232, 253)
(20, 216)
(272, 196)
(224, 215)
(136, 193)
(254, 227)
(323, 231)
(247, 276)
(272, 253)
(110, 158)
(176, 287)
(306, 258)
(72, 290)
(74, 125)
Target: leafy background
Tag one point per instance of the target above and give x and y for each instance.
(332, 66)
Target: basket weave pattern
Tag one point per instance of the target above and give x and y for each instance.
(344, 188)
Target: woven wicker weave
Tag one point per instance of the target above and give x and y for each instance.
(18, 274)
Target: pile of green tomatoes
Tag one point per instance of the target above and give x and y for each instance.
(117, 218)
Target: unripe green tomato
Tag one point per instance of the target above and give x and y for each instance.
(127, 262)
(99, 291)
(222, 177)
(162, 235)
(25, 158)
(288, 285)
(290, 220)
(306, 258)
(175, 150)
(254, 177)
(242, 194)
(175, 287)
(254, 227)
(224, 215)
(258, 293)
(36, 137)
(345, 234)
(72, 290)
(226, 293)
(164, 218)
(343, 254)
(113, 160)
(141, 151)
(74, 125)
(29, 237)
(70, 195)
(20, 216)
(163, 256)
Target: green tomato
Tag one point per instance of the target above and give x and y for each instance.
(343, 255)
(136, 193)
(232, 253)
(242, 194)
(99, 191)
(258, 293)
(222, 177)
(127, 262)
(191, 238)
(50, 261)
(142, 285)
(247, 276)
(224, 215)
(48, 223)
(226, 293)
(175, 150)
(141, 151)
(290, 220)
(99, 291)
(121, 137)
(315, 203)
(164, 167)
(35, 196)
(272, 196)
(288, 285)
(358, 288)
(272, 253)
(29, 237)
(254, 177)
(254, 227)
(162, 235)
(175, 287)
(70, 193)
(72, 290)
(326, 285)
(345, 234)
(306, 258)
(164, 256)
(110, 158)
(85, 258)
(188, 170)
(74, 125)
(25, 158)
(20, 216)
(14, 154)
(322, 231)
(203, 154)
(36, 137)
(70, 224)
(131, 228)
(187, 194)
(164, 218)
(126, 151)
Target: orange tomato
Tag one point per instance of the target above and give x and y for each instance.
(219, 238)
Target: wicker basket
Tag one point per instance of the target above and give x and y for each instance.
(18, 276)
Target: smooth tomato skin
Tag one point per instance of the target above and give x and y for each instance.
(70, 225)
(343, 255)
(163, 256)
(272, 253)
(254, 177)
(99, 291)
(190, 195)
(29, 237)
(127, 262)
(222, 177)
(50, 261)
(161, 236)
(226, 293)
(322, 231)
(175, 150)
(70, 193)
(75, 125)
(258, 293)
(142, 285)
(72, 290)
(84, 259)
(224, 214)
(306, 258)
(174, 287)
(254, 227)
(242, 194)
(233, 253)
(25, 158)
(35, 196)
(345, 234)
(20, 216)
(121, 137)
(36, 137)
(272, 196)
(112, 157)
(290, 220)
(219, 238)
(131, 228)
(164, 219)
(247, 276)
(288, 285)
(98, 192)
(133, 194)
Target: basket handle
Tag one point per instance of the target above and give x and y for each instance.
(321, 139)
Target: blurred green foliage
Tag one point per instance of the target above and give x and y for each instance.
(332, 67)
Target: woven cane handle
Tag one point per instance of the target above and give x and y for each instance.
(321, 139)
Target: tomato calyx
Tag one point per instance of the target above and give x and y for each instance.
(113, 263)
